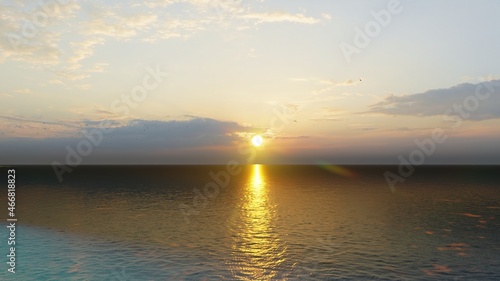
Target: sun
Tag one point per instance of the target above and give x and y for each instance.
(257, 140)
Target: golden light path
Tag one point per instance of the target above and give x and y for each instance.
(262, 251)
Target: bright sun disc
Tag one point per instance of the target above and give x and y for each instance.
(257, 140)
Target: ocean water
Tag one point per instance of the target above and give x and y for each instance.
(258, 223)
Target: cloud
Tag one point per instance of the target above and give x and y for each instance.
(439, 101)
(37, 35)
(348, 82)
(83, 49)
(149, 139)
(30, 33)
(329, 114)
(280, 17)
(177, 28)
(292, 137)
(107, 21)
(19, 119)
(56, 81)
(327, 85)
(99, 110)
(194, 132)
(63, 38)
(326, 16)
(24, 91)
(331, 82)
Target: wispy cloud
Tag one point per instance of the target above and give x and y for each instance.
(329, 114)
(326, 85)
(89, 25)
(24, 91)
(280, 17)
(24, 39)
(331, 82)
(292, 137)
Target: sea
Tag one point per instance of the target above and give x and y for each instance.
(253, 222)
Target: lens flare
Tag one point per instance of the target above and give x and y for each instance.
(341, 171)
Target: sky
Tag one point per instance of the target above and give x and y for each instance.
(192, 81)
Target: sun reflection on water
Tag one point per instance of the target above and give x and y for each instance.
(257, 248)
